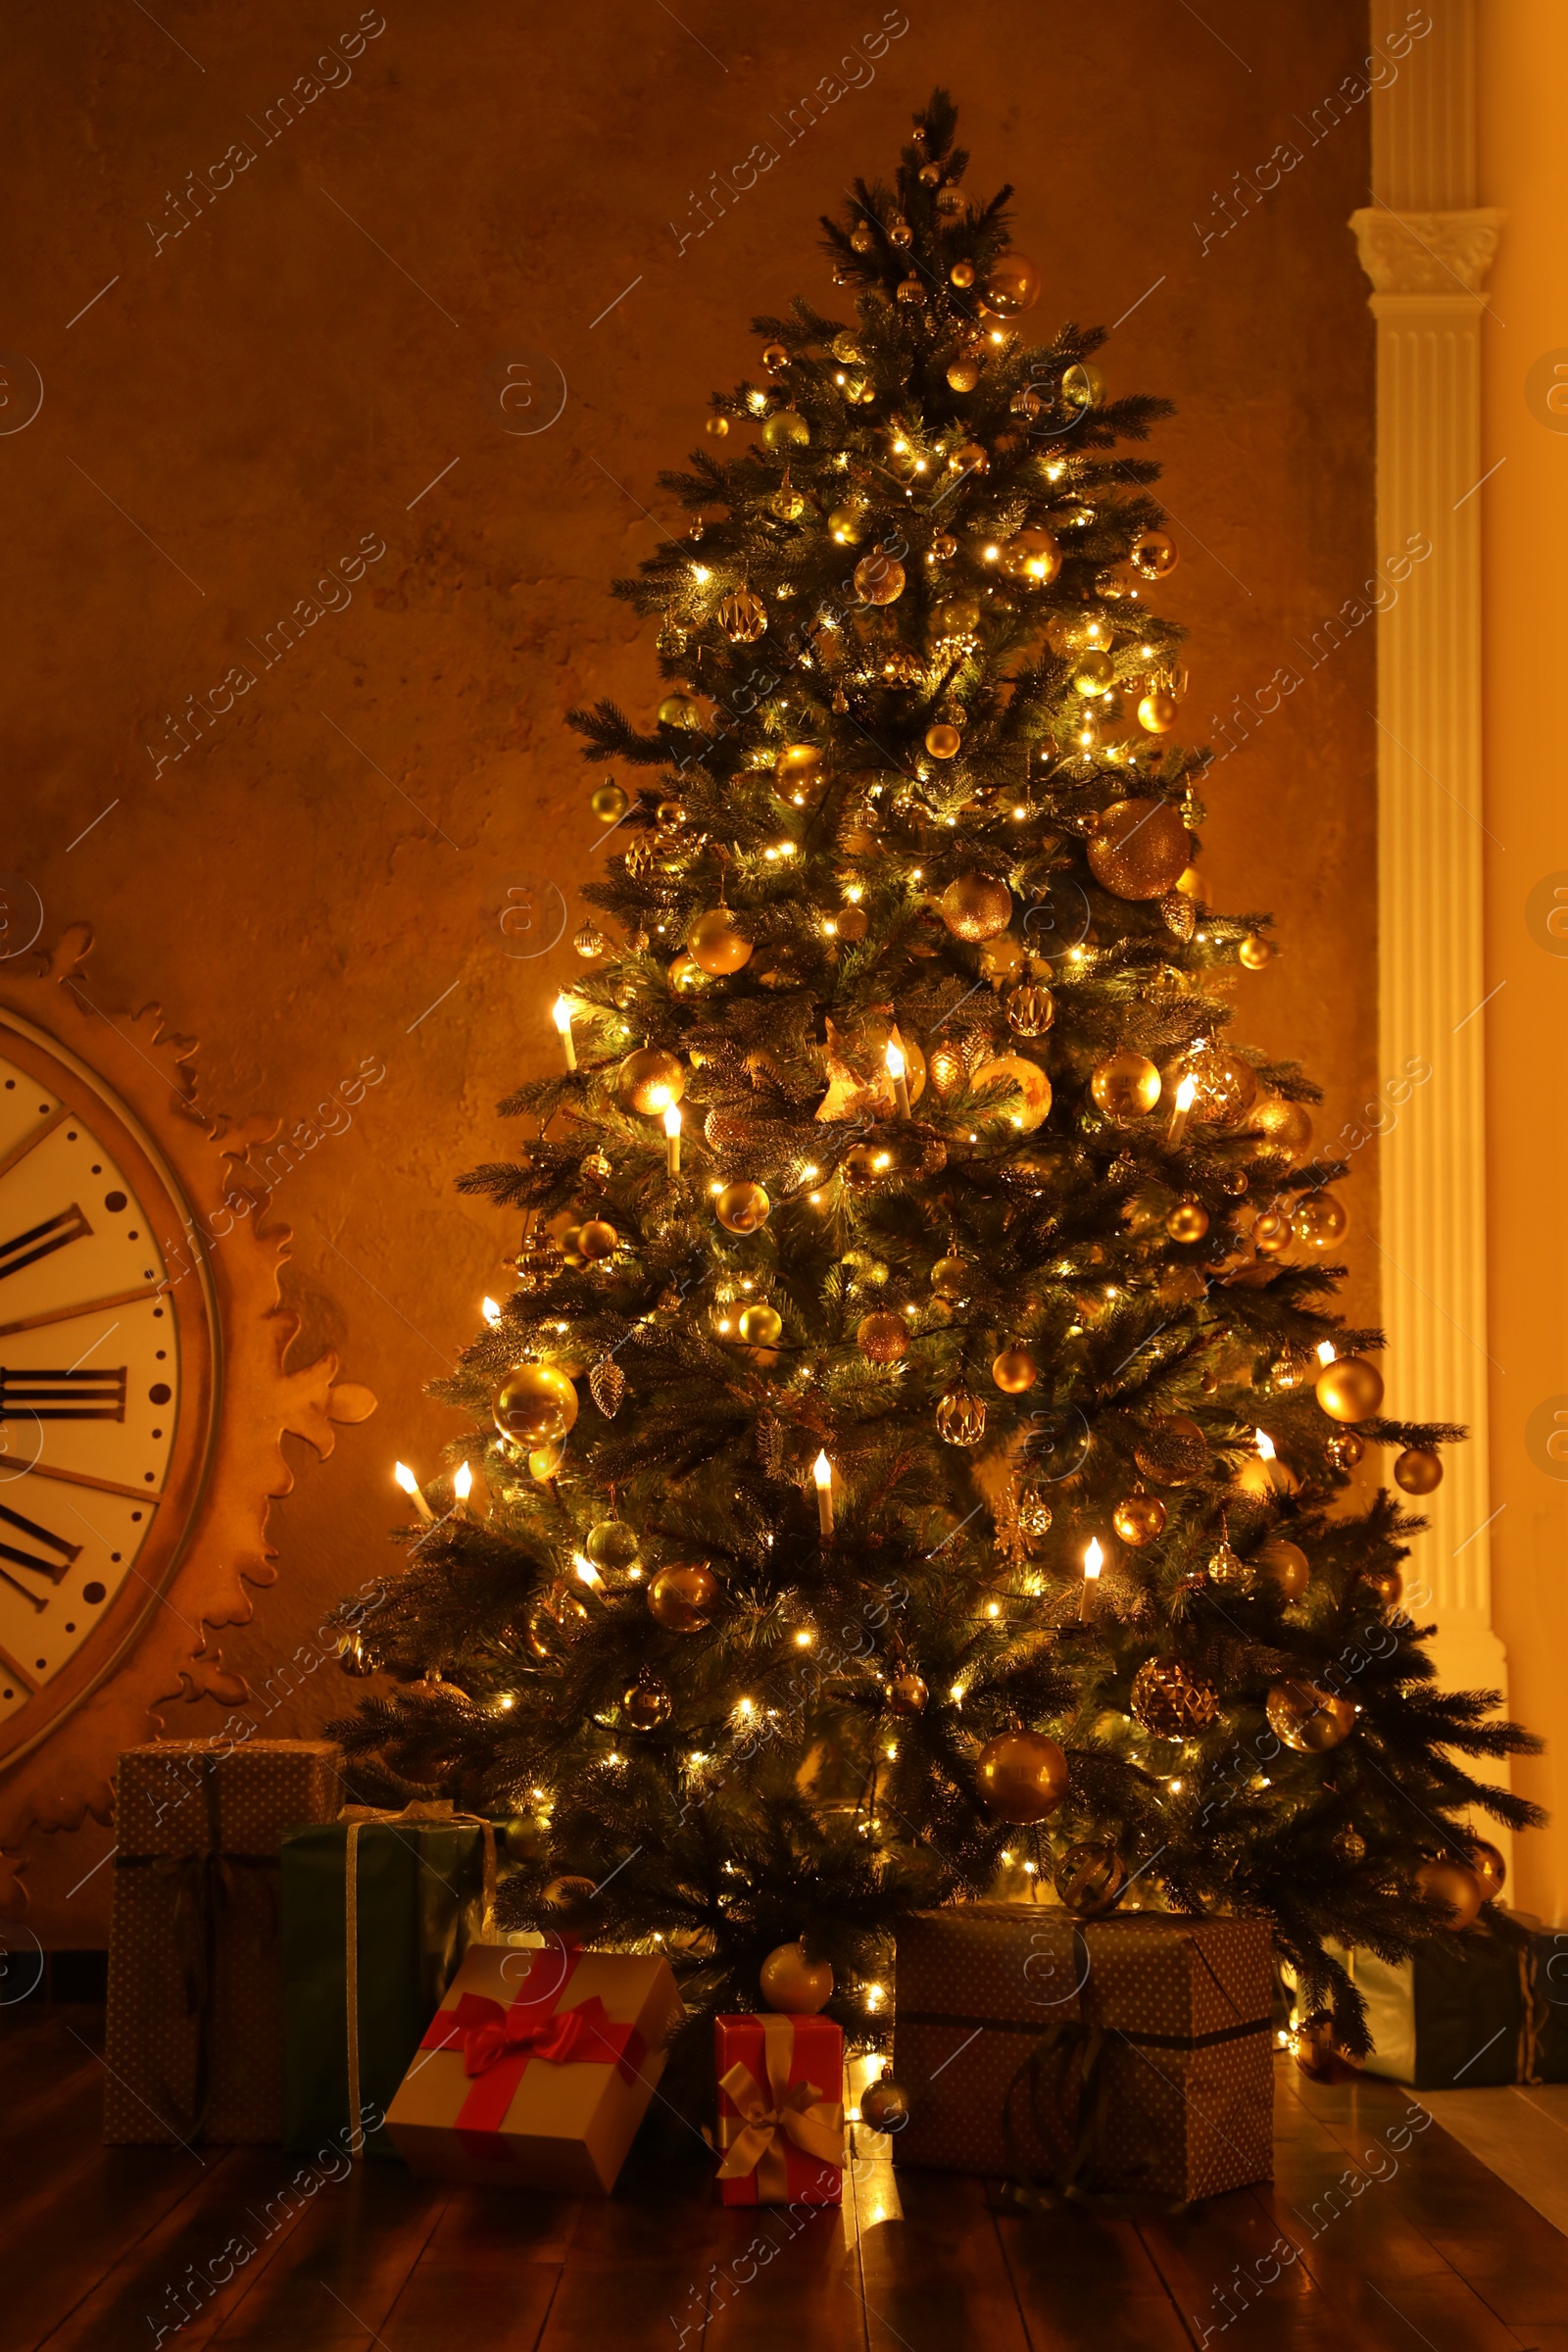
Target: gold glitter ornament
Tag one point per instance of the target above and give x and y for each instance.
(743, 616)
(1170, 1702)
(976, 907)
(1139, 849)
(878, 579)
(960, 1416)
(882, 1339)
(650, 1079)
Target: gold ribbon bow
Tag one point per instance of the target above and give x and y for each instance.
(798, 2114)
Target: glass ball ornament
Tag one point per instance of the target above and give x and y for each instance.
(793, 1983)
(976, 907)
(801, 773)
(1139, 849)
(971, 457)
(1254, 953)
(1271, 1232)
(944, 546)
(843, 524)
(1089, 1878)
(1225, 1086)
(716, 428)
(1170, 1702)
(952, 1278)
(1487, 1862)
(1285, 1565)
(611, 1544)
(943, 743)
(1082, 386)
(1158, 712)
(862, 236)
(1014, 1371)
(1155, 554)
(743, 616)
(646, 1706)
(900, 234)
(608, 803)
(1345, 1451)
(884, 2105)
(1307, 1718)
(960, 1416)
(775, 359)
(963, 375)
(759, 1326)
(571, 1893)
(878, 579)
(1386, 1585)
(742, 1208)
(651, 1080)
(911, 291)
(907, 1694)
(1321, 1221)
(787, 503)
(1011, 286)
(1030, 1009)
(535, 1404)
(680, 710)
(353, 1657)
(1124, 1085)
(1034, 1514)
(1138, 1518)
(715, 946)
(1226, 1568)
(1458, 1890)
(598, 1239)
(1093, 673)
(1418, 1470)
(682, 1596)
(1021, 1775)
(961, 275)
(1014, 1072)
(786, 429)
(882, 1339)
(1188, 1221)
(1031, 555)
(1349, 1389)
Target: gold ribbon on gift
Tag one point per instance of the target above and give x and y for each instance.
(439, 1811)
(774, 2114)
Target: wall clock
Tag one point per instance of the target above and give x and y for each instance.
(143, 1397)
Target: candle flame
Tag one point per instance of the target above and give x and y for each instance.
(672, 1118)
(1185, 1094)
(462, 1482)
(894, 1057)
(404, 1478)
(823, 1472)
(1094, 1557)
(587, 1572)
(1266, 1443)
(1325, 1352)
(561, 1013)
(490, 1310)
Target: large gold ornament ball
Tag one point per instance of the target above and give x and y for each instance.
(1321, 1221)
(1309, 1718)
(1032, 557)
(963, 375)
(884, 2105)
(882, 1339)
(1418, 1470)
(761, 1326)
(1349, 1389)
(907, 1694)
(1226, 1086)
(611, 1544)
(681, 1596)
(680, 710)
(535, 1404)
(878, 579)
(1089, 1878)
(647, 1704)
(1155, 554)
(952, 1278)
(960, 1416)
(943, 742)
(1158, 712)
(1125, 1085)
(1286, 1565)
(1254, 953)
(742, 1208)
(1138, 1518)
(1094, 673)
(743, 616)
(976, 907)
(1014, 1370)
(1022, 1776)
(1489, 1866)
(1138, 849)
(1287, 1125)
(608, 803)
(717, 946)
(1011, 286)
(651, 1080)
(800, 773)
(786, 429)
(1173, 1450)
(1170, 1702)
(1458, 1890)
(1188, 1221)
(597, 1238)
(793, 1983)
(1016, 1073)
(1271, 1232)
(1030, 1009)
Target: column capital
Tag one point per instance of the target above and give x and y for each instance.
(1427, 253)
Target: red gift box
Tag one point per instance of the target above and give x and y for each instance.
(780, 2110)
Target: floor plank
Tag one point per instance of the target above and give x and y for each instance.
(932, 2267)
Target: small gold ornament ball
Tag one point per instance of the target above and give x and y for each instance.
(681, 1597)
(1089, 1878)
(742, 1208)
(1140, 847)
(1271, 1232)
(1170, 1702)
(852, 924)
(907, 1694)
(862, 236)
(1034, 1514)
(1349, 1389)
(976, 907)
(1158, 712)
(597, 1238)
(1321, 1221)
(1287, 1125)
(884, 2105)
(878, 579)
(1188, 1221)
(651, 1080)
(1286, 1565)
(1345, 1451)
(611, 1544)
(648, 1704)
(844, 525)
(1309, 1718)
(1125, 1085)
(951, 1277)
(943, 742)
(960, 1416)
(1386, 1585)
(1014, 1370)
(1022, 1776)
(1155, 554)
(1226, 1086)
(717, 427)
(1418, 1470)
(786, 429)
(743, 617)
(1138, 1518)
(800, 774)
(1031, 1009)
(680, 710)
(1458, 1890)
(1349, 1844)
(793, 1983)
(608, 803)
(968, 458)
(1226, 1568)
(962, 274)
(1489, 1866)
(963, 375)
(1015, 1072)
(717, 946)
(569, 1893)
(1012, 285)
(882, 1339)
(1082, 385)
(1255, 952)
(761, 1326)
(523, 1839)
(775, 359)
(1031, 555)
(535, 1404)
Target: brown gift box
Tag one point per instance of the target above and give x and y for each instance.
(537, 2068)
(1127, 2054)
(194, 2038)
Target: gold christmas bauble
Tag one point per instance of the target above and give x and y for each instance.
(611, 1544)
(1386, 1585)
(1309, 1718)
(1226, 1086)
(962, 274)
(907, 1694)
(1034, 1514)
(960, 1416)
(862, 236)
(571, 1893)
(651, 1080)
(608, 803)
(1172, 1450)
(717, 946)
(544, 1461)
(680, 710)
(884, 2105)
(1014, 1370)
(1458, 1890)
(535, 1404)
(646, 1706)
(743, 616)
(1286, 1565)
(687, 976)
(1188, 1221)
(878, 579)
(1095, 673)
(882, 1339)
(1345, 1451)
(1031, 1009)
(1321, 1221)
(1139, 849)
(955, 616)
(1271, 1232)
(775, 359)
(948, 1067)
(1226, 1568)
(597, 1238)
(963, 375)
(1287, 1125)
(943, 743)
(1089, 1878)
(717, 427)
(1349, 1389)
(1349, 1844)
(793, 1983)
(971, 457)
(1082, 385)
(1489, 1866)
(1125, 1085)
(1015, 1072)
(681, 1597)
(1022, 1776)
(1025, 402)
(952, 1278)
(1032, 556)
(1010, 285)
(976, 907)
(786, 502)
(1158, 712)
(1155, 554)
(852, 923)
(843, 524)
(1138, 1518)
(742, 1208)
(801, 774)
(1254, 953)
(1418, 1470)
(761, 1326)
(1170, 1702)
(786, 429)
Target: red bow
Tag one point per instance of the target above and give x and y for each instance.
(498, 2043)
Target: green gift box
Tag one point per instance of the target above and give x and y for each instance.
(1461, 2012)
(379, 1909)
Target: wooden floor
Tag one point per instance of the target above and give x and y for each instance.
(1359, 2243)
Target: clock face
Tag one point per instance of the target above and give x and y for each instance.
(108, 1382)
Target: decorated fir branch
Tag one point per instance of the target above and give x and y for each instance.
(900, 1131)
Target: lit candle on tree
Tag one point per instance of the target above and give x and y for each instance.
(823, 1472)
(1185, 1094)
(562, 1014)
(672, 1135)
(410, 1487)
(1094, 1561)
(894, 1057)
(490, 1310)
(462, 1486)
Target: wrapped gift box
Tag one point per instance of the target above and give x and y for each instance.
(537, 2068)
(1468, 2010)
(195, 2036)
(780, 2110)
(404, 1893)
(1123, 2053)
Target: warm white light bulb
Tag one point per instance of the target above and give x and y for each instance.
(1185, 1094)
(404, 1478)
(490, 1310)
(822, 1471)
(895, 1061)
(1094, 1557)
(672, 1118)
(561, 1013)
(1325, 1352)
(462, 1482)
(1266, 1443)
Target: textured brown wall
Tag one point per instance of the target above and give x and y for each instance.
(317, 881)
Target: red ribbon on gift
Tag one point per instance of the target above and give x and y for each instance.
(499, 2043)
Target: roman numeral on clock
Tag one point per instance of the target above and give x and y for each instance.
(41, 1565)
(77, 1394)
(25, 1249)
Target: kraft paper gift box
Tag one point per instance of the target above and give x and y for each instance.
(780, 2110)
(1131, 2054)
(537, 2068)
(404, 1893)
(195, 2036)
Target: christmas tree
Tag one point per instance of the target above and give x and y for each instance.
(917, 1451)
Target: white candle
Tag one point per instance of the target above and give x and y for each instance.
(1184, 1103)
(673, 1144)
(894, 1057)
(560, 1013)
(823, 1472)
(462, 1486)
(1094, 1561)
(410, 1487)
